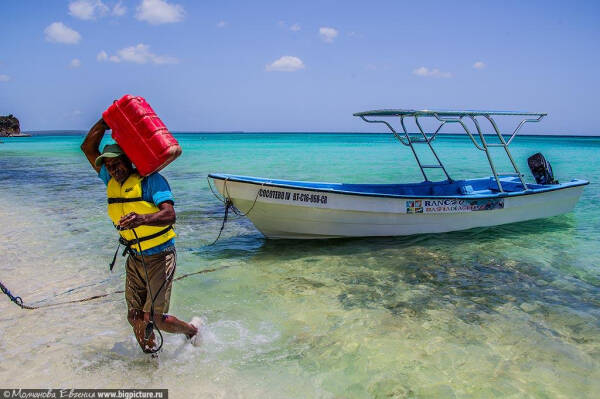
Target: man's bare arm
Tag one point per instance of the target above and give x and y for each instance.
(91, 143)
(164, 217)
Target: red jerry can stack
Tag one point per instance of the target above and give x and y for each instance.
(141, 134)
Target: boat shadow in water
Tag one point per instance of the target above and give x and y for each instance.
(470, 275)
(240, 237)
(565, 224)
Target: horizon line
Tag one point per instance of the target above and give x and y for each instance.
(57, 132)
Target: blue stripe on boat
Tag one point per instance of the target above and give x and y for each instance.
(471, 188)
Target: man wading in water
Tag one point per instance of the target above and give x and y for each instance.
(146, 205)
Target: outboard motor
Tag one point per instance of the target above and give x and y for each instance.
(541, 169)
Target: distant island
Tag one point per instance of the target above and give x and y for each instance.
(10, 127)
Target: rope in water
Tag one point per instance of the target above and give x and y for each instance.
(222, 199)
(19, 302)
(235, 209)
(225, 200)
(228, 202)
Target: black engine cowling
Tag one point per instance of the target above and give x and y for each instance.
(541, 169)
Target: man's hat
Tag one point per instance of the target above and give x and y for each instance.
(109, 151)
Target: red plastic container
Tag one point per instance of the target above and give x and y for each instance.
(141, 134)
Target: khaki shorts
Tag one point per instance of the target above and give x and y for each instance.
(161, 269)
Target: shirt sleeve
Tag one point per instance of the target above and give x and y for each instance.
(103, 175)
(158, 189)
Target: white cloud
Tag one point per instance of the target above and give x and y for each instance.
(75, 63)
(479, 65)
(102, 56)
(164, 59)
(158, 12)
(119, 10)
(139, 54)
(4, 78)
(328, 34)
(287, 63)
(221, 24)
(294, 28)
(58, 32)
(87, 9)
(434, 73)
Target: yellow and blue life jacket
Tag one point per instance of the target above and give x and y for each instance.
(126, 198)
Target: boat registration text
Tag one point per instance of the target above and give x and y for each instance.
(289, 196)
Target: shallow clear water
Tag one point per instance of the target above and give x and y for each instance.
(511, 310)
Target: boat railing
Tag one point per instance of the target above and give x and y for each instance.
(445, 117)
(409, 140)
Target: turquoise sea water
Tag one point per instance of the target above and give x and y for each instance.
(510, 311)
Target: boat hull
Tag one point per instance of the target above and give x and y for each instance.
(296, 213)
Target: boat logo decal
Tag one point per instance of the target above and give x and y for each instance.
(453, 205)
(415, 206)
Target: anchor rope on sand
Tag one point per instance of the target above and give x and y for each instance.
(19, 302)
(16, 299)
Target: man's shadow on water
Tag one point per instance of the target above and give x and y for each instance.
(444, 271)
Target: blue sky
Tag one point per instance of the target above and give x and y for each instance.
(298, 66)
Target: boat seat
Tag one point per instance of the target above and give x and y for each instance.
(466, 190)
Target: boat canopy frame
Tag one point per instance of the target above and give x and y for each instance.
(445, 117)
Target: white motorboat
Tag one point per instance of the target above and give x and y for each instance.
(309, 210)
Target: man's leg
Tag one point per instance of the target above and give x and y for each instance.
(138, 320)
(172, 324)
(161, 269)
(136, 296)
